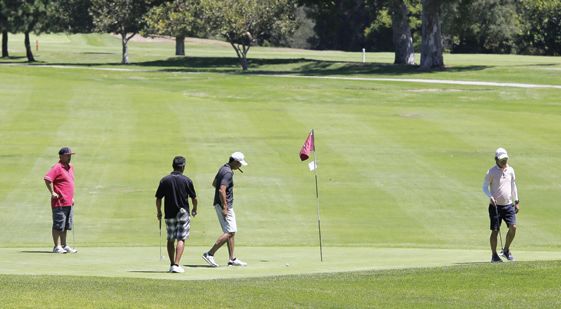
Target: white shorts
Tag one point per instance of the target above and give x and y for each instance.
(228, 224)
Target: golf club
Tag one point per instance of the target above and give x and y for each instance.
(161, 256)
(501, 253)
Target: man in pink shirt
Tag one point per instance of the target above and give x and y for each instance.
(60, 183)
(500, 187)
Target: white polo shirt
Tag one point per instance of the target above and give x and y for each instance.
(501, 185)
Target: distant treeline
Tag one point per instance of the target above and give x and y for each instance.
(428, 27)
(468, 26)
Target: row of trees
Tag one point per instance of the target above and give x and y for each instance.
(240, 22)
(431, 26)
(468, 26)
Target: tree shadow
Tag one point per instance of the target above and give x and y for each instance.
(264, 66)
(302, 66)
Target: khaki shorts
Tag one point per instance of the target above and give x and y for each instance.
(228, 224)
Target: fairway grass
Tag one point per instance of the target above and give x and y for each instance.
(401, 166)
(507, 285)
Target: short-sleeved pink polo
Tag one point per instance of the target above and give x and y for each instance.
(62, 178)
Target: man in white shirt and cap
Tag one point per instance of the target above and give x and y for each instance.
(224, 205)
(500, 186)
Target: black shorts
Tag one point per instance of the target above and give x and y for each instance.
(505, 213)
(63, 218)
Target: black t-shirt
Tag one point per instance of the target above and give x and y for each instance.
(175, 188)
(224, 177)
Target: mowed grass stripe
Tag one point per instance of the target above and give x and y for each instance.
(464, 286)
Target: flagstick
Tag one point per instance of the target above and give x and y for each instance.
(317, 197)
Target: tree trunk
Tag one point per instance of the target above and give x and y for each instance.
(5, 53)
(402, 39)
(244, 63)
(431, 46)
(125, 54)
(28, 52)
(241, 51)
(180, 45)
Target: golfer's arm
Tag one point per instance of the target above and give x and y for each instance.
(486, 186)
(159, 205)
(222, 194)
(49, 185)
(195, 203)
(514, 192)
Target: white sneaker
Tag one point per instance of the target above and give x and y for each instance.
(236, 262)
(176, 269)
(69, 249)
(209, 259)
(58, 249)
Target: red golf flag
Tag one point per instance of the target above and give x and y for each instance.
(308, 147)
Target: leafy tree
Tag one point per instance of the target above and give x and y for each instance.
(346, 25)
(29, 16)
(431, 44)
(481, 26)
(124, 17)
(541, 29)
(246, 22)
(178, 18)
(71, 16)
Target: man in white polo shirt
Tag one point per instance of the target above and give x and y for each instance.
(500, 186)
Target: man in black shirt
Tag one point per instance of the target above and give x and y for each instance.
(224, 205)
(176, 188)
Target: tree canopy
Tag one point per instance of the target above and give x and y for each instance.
(246, 22)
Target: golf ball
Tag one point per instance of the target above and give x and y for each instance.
(286, 265)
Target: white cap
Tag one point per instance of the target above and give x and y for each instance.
(501, 154)
(238, 156)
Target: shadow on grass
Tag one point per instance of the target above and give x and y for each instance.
(148, 271)
(37, 251)
(301, 66)
(198, 266)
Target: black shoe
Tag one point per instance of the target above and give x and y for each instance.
(496, 259)
(508, 255)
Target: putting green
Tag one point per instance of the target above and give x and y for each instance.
(143, 262)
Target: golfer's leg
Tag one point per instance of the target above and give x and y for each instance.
(219, 242)
(231, 245)
(56, 237)
(179, 251)
(510, 236)
(171, 251)
(493, 241)
(63, 238)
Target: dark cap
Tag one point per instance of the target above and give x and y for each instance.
(65, 151)
(179, 161)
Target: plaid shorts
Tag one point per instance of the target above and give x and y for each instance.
(178, 227)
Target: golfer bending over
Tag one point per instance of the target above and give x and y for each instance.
(500, 186)
(176, 188)
(224, 205)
